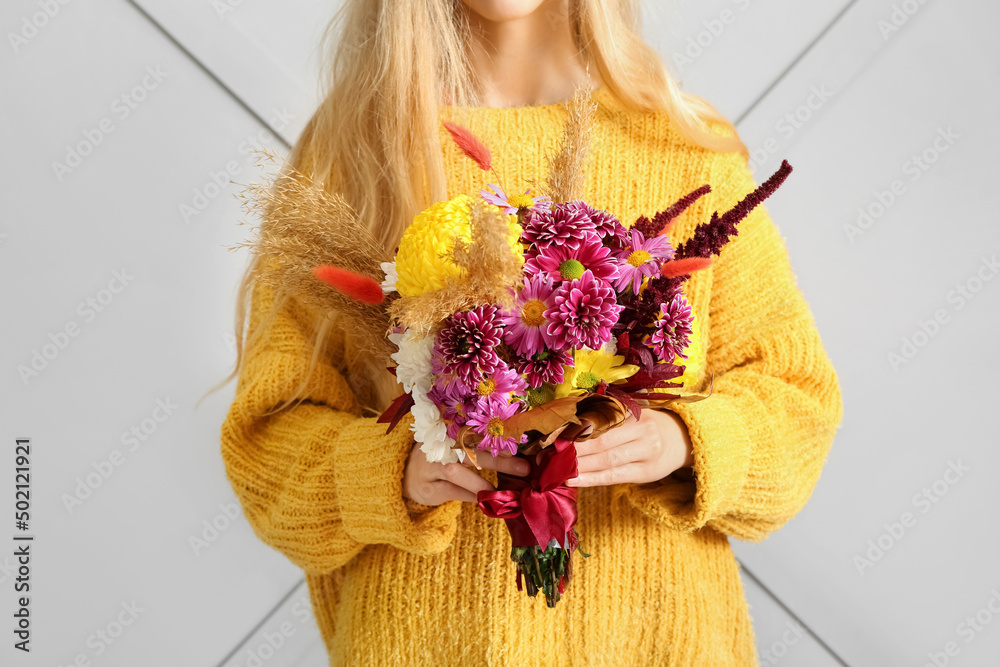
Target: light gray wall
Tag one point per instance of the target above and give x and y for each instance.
(894, 561)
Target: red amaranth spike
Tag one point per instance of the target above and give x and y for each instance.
(352, 284)
(709, 237)
(473, 148)
(664, 220)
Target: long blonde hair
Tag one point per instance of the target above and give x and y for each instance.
(390, 64)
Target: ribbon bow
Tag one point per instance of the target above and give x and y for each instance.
(537, 508)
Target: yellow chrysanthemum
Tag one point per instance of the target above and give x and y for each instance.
(589, 368)
(421, 262)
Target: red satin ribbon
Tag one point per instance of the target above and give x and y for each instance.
(539, 507)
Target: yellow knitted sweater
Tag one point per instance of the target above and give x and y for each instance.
(394, 583)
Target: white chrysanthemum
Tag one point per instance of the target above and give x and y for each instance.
(413, 360)
(430, 430)
(415, 372)
(389, 284)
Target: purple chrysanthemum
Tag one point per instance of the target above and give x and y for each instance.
(512, 203)
(524, 324)
(564, 225)
(454, 400)
(608, 227)
(503, 380)
(640, 259)
(544, 366)
(583, 312)
(488, 418)
(466, 344)
(672, 330)
(561, 262)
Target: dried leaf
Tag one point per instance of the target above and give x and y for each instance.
(660, 400)
(396, 411)
(545, 418)
(467, 440)
(568, 430)
(602, 412)
(626, 401)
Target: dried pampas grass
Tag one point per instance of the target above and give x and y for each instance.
(303, 226)
(566, 177)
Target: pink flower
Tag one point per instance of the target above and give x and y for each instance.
(454, 400)
(488, 419)
(563, 226)
(513, 203)
(673, 330)
(524, 325)
(640, 259)
(583, 312)
(561, 262)
(544, 366)
(504, 380)
(609, 228)
(466, 345)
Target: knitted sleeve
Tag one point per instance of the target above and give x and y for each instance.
(316, 481)
(761, 439)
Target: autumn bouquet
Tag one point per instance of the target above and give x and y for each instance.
(516, 324)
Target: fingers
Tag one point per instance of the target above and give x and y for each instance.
(628, 473)
(616, 436)
(436, 483)
(510, 465)
(446, 491)
(450, 481)
(614, 457)
(464, 478)
(441, 491)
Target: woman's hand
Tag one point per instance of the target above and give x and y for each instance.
(436, 483)
(638, 451)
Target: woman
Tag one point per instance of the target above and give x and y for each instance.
(402, 567)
